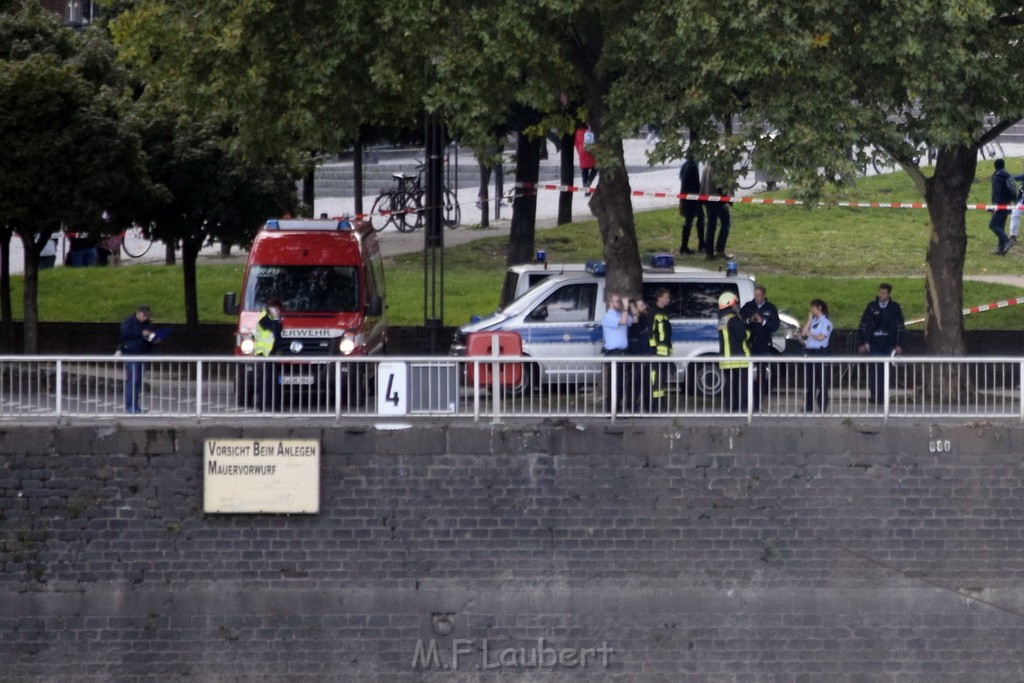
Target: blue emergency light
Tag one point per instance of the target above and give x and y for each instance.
(342, 223)
(663, 261)
(595, 267)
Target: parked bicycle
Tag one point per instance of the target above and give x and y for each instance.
(395, 206)
(135, 242)
(884, 163)
(403, 205)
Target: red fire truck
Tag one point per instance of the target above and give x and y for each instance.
(330, 278)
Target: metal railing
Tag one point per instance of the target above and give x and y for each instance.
(495, 388)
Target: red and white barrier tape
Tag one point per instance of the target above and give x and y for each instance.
(524, 190)
(768, 201)
(1005, 303)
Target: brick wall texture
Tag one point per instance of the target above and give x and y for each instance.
(635, 551)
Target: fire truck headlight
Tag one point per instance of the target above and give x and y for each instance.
(347, 345)
(247, 346)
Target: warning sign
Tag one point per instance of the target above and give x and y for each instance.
(276, 476)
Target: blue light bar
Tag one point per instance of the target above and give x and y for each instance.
(342, 223)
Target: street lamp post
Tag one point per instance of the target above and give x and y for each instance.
(433, 243)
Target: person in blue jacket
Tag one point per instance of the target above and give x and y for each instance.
(136, 339)
(881, 333)
(1004, 192)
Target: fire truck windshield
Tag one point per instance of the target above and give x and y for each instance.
(303, 288)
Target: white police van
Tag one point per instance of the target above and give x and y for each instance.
(520, 278)
(560, 317)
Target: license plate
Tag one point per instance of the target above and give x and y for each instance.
(296, 379)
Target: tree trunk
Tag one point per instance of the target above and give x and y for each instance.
(30, 293)
(357, 176)
(483, 194)
(612, 206)
(169, 257)
(566, 177)
(946, 193)
(6, 309)
(524, 207)
(189, 255)
(308, 192)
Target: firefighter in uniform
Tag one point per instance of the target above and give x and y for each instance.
(733, 346)
(661, 346)
(266, 342)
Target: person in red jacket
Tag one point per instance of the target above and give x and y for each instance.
(584, 143)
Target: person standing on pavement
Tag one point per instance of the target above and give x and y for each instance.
(584, 142)
(267, 342)
(817, 331)
(661, 345)
(718, 216)
(762, 319)
(48, 255)
(136, 338)
(1015, 215)
(734, 347)
(689, 209)
(881, 334)
(1004, 191)
(614, 330)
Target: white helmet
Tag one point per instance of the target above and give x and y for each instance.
(727, 300)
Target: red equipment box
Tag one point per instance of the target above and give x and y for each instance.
(509, 344)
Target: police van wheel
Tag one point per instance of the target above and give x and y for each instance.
(529, 381)
(705, 378)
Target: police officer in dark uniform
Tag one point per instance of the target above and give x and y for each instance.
(638, 373)
(762, 320)
(881, 334)
(689, 209)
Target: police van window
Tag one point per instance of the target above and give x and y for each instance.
(693, 300)
(508, 289)
(569, 304)
(534, 278)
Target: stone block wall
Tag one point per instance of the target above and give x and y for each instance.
(643, 550)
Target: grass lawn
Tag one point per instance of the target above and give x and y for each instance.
(836, 254)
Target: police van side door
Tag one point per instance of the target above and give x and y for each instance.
(565, 323)
(693, 312)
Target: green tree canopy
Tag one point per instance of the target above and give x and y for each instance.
(838, 82)
(208, 192)
(69, 154)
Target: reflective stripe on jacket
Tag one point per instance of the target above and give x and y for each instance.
(661, 334)
(731, 343)
(263, 337)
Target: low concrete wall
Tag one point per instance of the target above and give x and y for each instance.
(653, 550)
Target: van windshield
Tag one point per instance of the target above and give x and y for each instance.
(303, 288)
